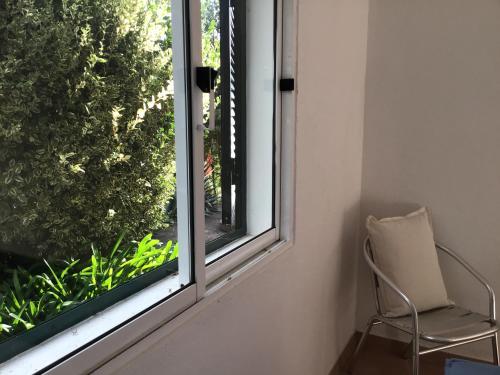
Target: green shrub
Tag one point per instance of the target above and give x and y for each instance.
(86, 122)
(31, 296)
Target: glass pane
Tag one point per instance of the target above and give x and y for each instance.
(238, 40)
(88, 204)
(224, 200)
(260, 113)
(210, 22)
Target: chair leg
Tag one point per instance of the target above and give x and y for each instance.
(494, 344)
(360, 345)
(416, 354)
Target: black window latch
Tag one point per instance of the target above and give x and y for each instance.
(287, 84)
(205, 78)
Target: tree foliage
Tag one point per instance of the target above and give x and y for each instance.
(86, 122)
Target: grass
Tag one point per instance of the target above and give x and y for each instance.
(31, 296)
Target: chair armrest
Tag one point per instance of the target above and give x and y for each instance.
(473, 272)
(392, 285)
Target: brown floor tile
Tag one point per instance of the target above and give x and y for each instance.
(381, 356)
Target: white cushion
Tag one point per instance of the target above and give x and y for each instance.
(404, 250)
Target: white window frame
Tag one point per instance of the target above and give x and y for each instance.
(249, 254)
(94, 340)
(239, 251)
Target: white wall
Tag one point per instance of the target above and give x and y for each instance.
(296, 315)
(432, 130)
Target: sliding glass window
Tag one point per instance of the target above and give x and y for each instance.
(94, 159)
(139, 162)
(239, 150)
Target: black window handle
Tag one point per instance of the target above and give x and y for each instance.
(205, 78)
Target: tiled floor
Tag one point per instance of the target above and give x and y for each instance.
(385, 357)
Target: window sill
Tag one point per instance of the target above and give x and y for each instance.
(230, 256)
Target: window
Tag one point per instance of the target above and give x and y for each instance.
(223, 47)
(140, 160)
(90, 152)
(244, 125)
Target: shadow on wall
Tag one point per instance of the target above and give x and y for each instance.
(345, 273)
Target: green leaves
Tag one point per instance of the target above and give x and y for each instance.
(74, 156)
(28, 298)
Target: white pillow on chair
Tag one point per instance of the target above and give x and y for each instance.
(404, 250)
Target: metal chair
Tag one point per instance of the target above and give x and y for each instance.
(446, 327)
